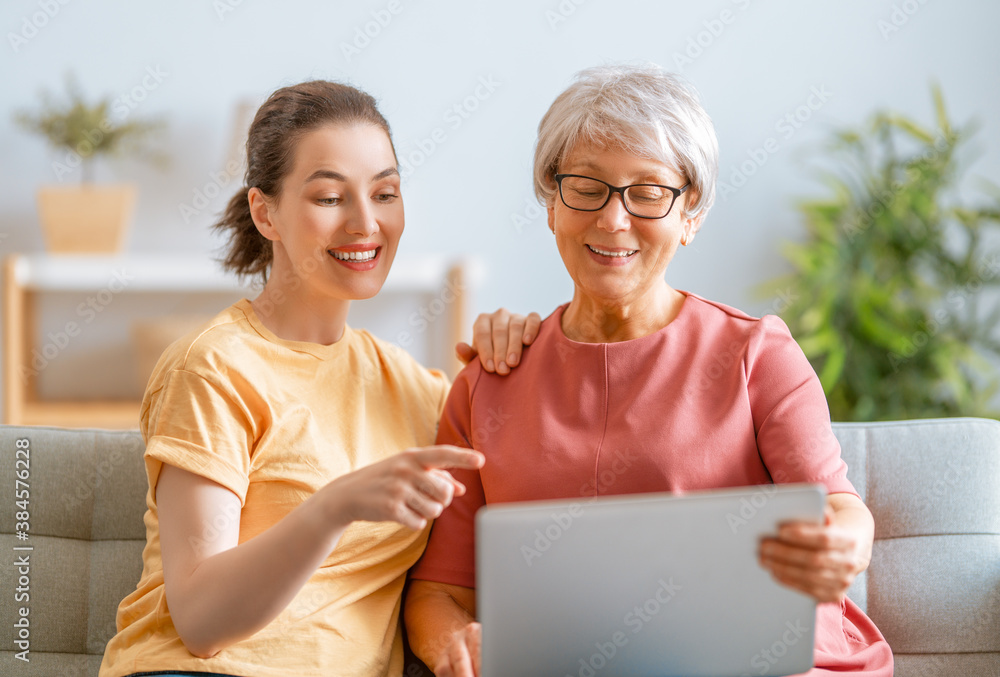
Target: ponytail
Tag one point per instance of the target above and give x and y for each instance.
(250, 253)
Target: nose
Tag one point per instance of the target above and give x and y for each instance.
(613, 216)
(361, 220)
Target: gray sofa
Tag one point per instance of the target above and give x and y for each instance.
(933, 587)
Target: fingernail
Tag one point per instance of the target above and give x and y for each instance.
(502, 368)
(528, 338)
(489, 365)
(512, 359)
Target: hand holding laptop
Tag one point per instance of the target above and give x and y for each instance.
(821, 560)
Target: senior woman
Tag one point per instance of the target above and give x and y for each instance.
(634, 386)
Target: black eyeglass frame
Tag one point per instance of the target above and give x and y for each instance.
(620, 189)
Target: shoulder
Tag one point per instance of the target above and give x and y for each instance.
(713, 316)
(719, 315)
(395, 365)
(716, 324)
(203, 366)
(212, 347)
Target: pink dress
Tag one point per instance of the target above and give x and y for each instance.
(715, 399)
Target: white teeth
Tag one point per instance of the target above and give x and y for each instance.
(354, 256)
(619, 255)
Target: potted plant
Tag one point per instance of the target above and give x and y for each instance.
(88, 217)
(888, 285)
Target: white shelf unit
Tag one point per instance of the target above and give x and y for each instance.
(28, 276)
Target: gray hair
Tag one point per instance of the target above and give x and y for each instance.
(644, 110)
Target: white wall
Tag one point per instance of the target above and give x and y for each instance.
(431, 56)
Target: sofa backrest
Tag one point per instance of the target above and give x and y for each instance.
(86, 500)
(933, 587)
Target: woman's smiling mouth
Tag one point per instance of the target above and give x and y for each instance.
(358, 258)
(619, 253)
(354, 256)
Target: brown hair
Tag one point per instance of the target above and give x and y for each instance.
(285, 117)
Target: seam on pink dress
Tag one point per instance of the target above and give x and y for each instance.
(604, 431)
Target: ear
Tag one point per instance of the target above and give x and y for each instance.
(551, 210)
(260, 212)
(690, 225)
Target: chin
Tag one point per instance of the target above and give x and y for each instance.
(366, 290)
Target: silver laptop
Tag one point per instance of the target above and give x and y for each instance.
(650, 584)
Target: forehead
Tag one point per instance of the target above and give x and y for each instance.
(603, 160)
(361, 150)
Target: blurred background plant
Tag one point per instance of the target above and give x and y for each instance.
(889, 283)
(89, 130)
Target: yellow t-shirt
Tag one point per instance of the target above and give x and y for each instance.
(274, 421)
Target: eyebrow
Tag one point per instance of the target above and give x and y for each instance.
(336, 176)
(651, 179)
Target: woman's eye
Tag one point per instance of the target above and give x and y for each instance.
(329, 201)
(386, 197)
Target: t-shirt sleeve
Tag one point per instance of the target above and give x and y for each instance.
(450, 556)
(201, 427)
(790, 413)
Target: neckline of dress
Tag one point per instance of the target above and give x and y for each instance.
(682, 314)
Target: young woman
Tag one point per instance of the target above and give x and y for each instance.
(292, 471)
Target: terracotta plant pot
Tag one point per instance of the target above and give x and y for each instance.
(83, 219)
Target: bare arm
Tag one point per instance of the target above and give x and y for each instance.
(442, 629)
(823, 560)
(207, 573)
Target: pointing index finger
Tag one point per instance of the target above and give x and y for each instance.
(447, 456)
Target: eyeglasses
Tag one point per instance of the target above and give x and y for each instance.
(644, 200)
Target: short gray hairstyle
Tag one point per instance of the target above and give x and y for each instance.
(641, 108)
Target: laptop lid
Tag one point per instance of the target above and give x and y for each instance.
(651, 584)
